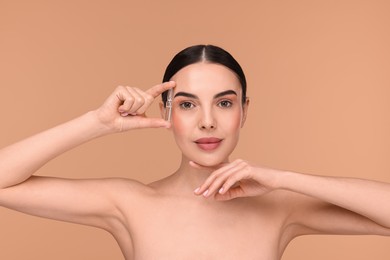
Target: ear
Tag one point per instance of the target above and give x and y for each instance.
(162, 109)
(244, 111)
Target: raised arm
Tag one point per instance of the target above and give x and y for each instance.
(367, 198)
(64, 199)
(318, 204)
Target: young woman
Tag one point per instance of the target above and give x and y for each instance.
(210, 208)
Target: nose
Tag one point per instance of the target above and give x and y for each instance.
(207, 120)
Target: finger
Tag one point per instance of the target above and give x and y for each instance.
(153, 123)
(160, 88)
(233, 181)
(120, 95)
(204, 188)
(137, 101)
(147, 101)
(223, 180)
(126, 98)
(144, 122)
(201, 189)
(232, 193)
(198, 166)
(245, 173)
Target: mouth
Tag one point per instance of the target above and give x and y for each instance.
(208, 143)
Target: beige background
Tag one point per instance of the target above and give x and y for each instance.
(318, 75)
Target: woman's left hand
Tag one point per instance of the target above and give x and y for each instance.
(237, 179)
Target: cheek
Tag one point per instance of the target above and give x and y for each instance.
(180, 124)
(234, 122)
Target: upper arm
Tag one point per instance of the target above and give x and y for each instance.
(312, 216)
(90, 202)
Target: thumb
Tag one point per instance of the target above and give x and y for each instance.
(145, 122)
(157, 123)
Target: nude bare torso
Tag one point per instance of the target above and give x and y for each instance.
(164, 225)
(205, 210)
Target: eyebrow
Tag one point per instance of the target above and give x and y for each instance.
(190, 95)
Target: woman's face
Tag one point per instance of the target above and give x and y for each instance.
(207, 112)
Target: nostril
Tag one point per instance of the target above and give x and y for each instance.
(207, 127)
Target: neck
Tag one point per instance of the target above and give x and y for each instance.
(189, 177)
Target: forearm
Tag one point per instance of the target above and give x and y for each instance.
(368, 198)
(20, 160)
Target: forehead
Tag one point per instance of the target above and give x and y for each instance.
(206, 77)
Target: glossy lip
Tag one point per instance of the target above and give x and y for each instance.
(208, 143)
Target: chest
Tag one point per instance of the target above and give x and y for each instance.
(187, 230)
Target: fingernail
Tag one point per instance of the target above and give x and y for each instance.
(205, 193)
(197, 190)
(220, 190)
(124, 114)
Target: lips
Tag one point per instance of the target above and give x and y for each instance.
(208, 143)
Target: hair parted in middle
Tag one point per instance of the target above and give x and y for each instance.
(204, 53)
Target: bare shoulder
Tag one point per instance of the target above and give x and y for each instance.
(128, 195)
(295, 205)
(128, 189)
(285, 200)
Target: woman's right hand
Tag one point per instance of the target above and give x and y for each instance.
(125, 108)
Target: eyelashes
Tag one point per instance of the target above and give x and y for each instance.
(225, 103)
(187, 105)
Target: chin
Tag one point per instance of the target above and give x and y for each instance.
(209, 160)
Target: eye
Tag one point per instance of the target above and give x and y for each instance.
(186, 105)
(225, 103)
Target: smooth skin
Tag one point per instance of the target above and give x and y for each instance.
(211, 207)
